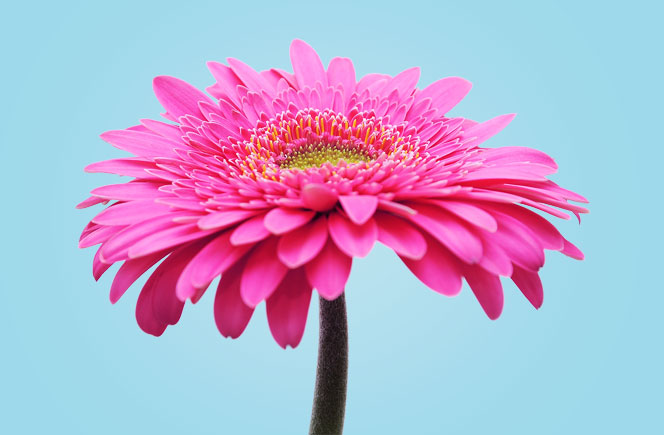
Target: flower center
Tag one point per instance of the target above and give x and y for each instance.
(325, 142)
(315, 155)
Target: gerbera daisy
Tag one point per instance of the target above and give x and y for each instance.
(278, 180)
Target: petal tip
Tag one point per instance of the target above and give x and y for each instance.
(297, 43)
(464, 83)
(159, 81)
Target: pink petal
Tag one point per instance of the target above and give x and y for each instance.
(194, 204)
(445, 93)
(494, 258)
(566, 193)
(288, 307)
(169, 131)
(470, 213)
(400, 236)
(249, 231)
(282, 220)
(166, 238)
(165, 304)
(370, 80)
(135, 190)
(272, 76)
(487, 289)
(449, 231)
(341, 71)
(329, 271)
(501, 173)
(517, 155)
(141, 144)
(262, 274)
(467, 124)
(99, 235)
(157, 306)
(542, 229)
(479, 194)
(129, 272)
(251, 79)
(359, 208)
(231, 314)
(354, 240)
(89, 228)
(98, 267)
(128, 213)
(483, 131)
(520, 247)
(404, 82)
(518, 242)
(89, 202)
(140, 128)
(552, 211)
(302, 244)
(307, 66)
(530, 285)
(437, 269)
(145, 317)
(211, 261)
(537, 193)
(396, 208)
(178, 97)
(227, 82)
(117, 247)
(288, 77)
(318, 197)
(572, 251)
(224, 219)
(132, 167)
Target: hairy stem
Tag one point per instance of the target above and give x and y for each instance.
(327, 415)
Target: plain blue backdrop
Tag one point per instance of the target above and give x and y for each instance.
(586, 81)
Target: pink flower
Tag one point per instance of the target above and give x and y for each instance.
(279, 180)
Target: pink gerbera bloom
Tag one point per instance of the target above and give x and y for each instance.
(278, 180)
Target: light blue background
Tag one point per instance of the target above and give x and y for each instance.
(586, 80)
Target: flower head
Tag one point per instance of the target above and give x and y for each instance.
(279, 180)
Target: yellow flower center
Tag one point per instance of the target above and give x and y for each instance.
(315, 155)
